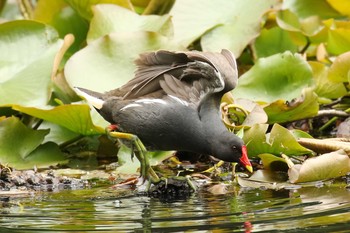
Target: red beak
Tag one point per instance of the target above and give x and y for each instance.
(245, 161)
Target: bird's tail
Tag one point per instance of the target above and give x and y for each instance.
(94, 98)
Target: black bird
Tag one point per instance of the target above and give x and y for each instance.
(173, 103)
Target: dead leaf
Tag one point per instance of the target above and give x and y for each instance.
(343, 130)
(248, 183)
(326, 166)
(325, 145)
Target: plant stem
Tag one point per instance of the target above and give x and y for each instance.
(26, 8)
(69, 142)
(331, 121)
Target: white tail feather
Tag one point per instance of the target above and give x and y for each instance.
(96, 102)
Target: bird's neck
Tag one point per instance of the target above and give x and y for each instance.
(211, 116)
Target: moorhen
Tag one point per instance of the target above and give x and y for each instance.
(173, 103)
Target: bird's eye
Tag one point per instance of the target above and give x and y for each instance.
(234, 147)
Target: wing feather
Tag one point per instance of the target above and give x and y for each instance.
(189, 76)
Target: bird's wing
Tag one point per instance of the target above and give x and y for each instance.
(224, 64)
(151, 67)
(185, 75)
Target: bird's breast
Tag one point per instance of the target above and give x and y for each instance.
(162, 124)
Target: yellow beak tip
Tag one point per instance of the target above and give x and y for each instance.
(249, 168)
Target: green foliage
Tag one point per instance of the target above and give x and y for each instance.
(272, 41)
(27, 52)
(294, 55)
(130, 165)
(280, 82)
(281, 76)
(21, 147)
(278, 141)
(74, 117)
(105, 16)
(218, 24)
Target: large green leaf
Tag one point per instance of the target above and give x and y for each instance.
(273, 40)
(220, 24)
(340, 69)
(73, 117)
(280, 83)
(342, 6)
(309, 26)
(26, 59)
(300, 108)
(107, 62)
(9, 11)
(64, 19)
(58, 134)
(324, 86)
(20, 146)
(339, 40)
(273, 162)
(278, 141)
(278, 77)
(307, 8)
(84, 8)
(129, 165)
(112, 18)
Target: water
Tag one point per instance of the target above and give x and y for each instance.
(316, 209)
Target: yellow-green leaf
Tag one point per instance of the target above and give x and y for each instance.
(73, 117)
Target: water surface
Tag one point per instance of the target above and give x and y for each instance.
(322, 209)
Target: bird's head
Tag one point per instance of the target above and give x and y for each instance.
(244, 160)
(233, 150)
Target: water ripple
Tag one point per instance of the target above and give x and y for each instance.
(324, 209)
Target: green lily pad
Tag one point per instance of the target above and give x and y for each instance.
(289, 21)
(342, 6)
(300, 134)
(73, 117)
(324, 85)
(64, 19)
(107, 62)
(272, 41)
(127, 165)
(339, 39)
(84, 8)
(21, 149)
(307, 8)
(279, 83)
(26, 63)
(219, 24)
(278, 141)
(340, 69)
(326, 166)
(272, 162)
(115, 19)
(278, 77)
(58, 134)
(300, 108)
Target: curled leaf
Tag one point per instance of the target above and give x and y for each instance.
(326, 145)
